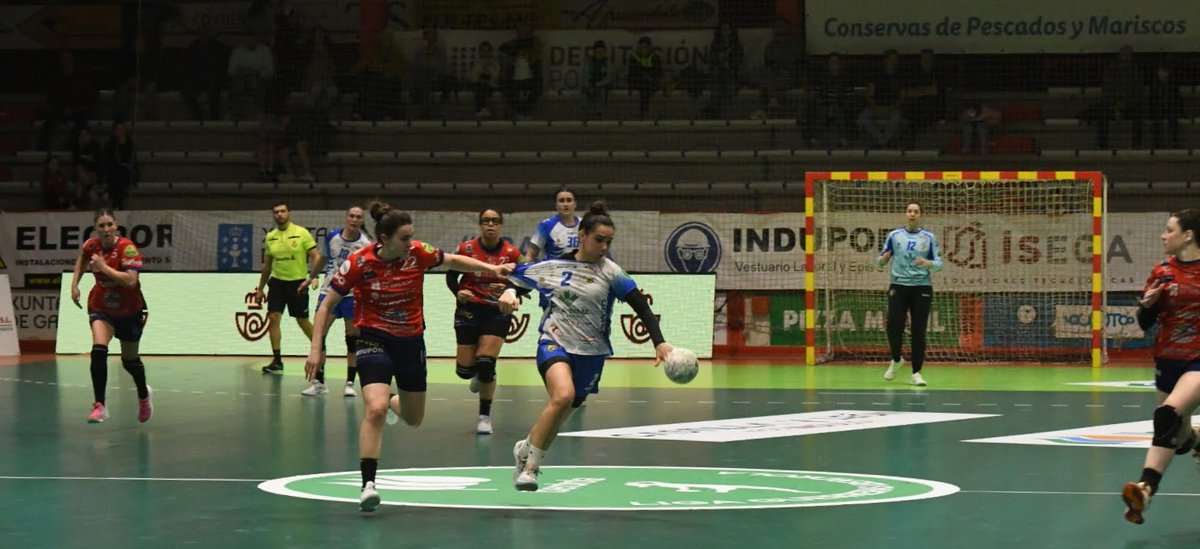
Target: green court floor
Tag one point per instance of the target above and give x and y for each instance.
(191, 476)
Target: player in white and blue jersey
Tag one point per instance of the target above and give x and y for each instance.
(913, 252)
(558, 234)
(338, 245)
(577, 294)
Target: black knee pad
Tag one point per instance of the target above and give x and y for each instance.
(350, 342)
(485, 367)
(99, 356)
(1167, 425)
(464, 372)
(578, 401)
(133, 365)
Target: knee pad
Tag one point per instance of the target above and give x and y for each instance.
(578, 401)
(485, 367)
(464, 372)
(99, 356)
(350, 342)
(134, 365)
(1167, 425)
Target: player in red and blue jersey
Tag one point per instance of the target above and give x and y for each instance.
(386, 279)
(1171, 299)
(115, 308)
(479, 325)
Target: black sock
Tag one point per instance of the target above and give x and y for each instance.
(368, 467)
(99, 371)
(138, 371)
(350, 373)
(1151, 478)
(278, 359)
(321, 376)
(485, 407)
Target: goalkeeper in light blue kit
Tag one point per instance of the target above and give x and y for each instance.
(913, 252)
(576, 292)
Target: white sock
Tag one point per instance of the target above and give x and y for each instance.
(535, 458)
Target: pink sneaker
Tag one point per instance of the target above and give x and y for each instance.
(144, 407)
(99, 413)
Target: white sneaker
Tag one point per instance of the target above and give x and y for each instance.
(349, 390)
(484, 427)
(918, 380)
(317, 388)
(392, 417)
(520, 456)
(890, 374)
(475, 384)
(368, 500)
(527, 481)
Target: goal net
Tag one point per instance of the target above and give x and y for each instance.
(1021, 253)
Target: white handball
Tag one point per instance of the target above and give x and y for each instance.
(681, 366)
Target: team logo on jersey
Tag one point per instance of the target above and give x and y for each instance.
(517, 325)
(693, 248)
(633, 327)
(252, 326)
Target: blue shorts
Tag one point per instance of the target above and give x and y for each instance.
(127, 328)
(344, 309)
(1168, 372)
(585, 369)
(381, 357)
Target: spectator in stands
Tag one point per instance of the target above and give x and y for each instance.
(70, 97)
(380, 73)
(976, 119)
(830, 106)
(85, 157)
(305, 133)
(251, 67)
(1164, 104)
(598, 76)
(523, 72)
(924, 95)
(205, 73)
(142, 25)
(725, 56)
(291, 46)
(429, 72)
(1122, 98)
(882, 117)
(55, 193)
(781, 69)
(270, 138)
(485, 75)
(645, 73)
(320, 89)
(120, 165)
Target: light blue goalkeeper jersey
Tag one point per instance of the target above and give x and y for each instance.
(906, 247)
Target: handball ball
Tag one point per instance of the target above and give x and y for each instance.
(681, 365)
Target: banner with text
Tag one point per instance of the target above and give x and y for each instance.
(229, 321)
(994, 253)
(637, 14)
(1003, 26)
(746, 251)
(35, 248)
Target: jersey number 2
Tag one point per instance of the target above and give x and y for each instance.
(566, 278)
